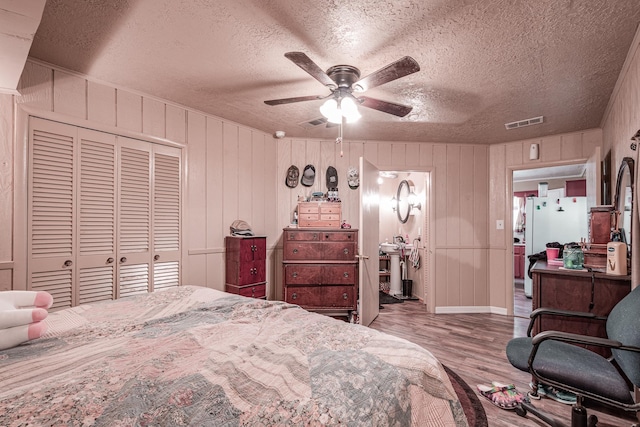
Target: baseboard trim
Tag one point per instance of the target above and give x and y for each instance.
(471, 310)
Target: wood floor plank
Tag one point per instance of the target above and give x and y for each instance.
(473, 345)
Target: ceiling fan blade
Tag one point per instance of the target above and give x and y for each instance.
(400, 68)
(304, 62)
(385, 106)
(291, 100)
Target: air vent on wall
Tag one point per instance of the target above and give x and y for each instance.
(522, 123)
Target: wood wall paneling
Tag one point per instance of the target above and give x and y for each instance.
(244, 177)
(176, 123)
(481, 197)
(6, 182)
(259, 185)
(128, 110)
(551, 149)
(426, 154)
(101, 104)
(196, 236)
(217, 194)
(36, 87)
(440, 195)
(69, 94)
(466, 196)
(452, 194)
(153, 117)
(571, 146)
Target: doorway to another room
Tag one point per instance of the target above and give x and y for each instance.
(538, 199)
(403, 219)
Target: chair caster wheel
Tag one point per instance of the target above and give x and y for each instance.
(593, 421)
(521, 411)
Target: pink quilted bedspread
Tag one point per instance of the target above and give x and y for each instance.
(196, 356)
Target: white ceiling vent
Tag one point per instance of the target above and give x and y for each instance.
(523, 123)
(313, 123)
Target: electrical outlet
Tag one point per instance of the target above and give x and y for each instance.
(499, 224)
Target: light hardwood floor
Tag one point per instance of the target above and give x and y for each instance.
(473, 345)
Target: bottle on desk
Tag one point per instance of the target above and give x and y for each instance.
(617, 258)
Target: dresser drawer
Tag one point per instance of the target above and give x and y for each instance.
(258, 290)
(312, 236)
(339, 251)
(321, 297)
(339, 236)
(311, 275)
(299, 274)
(339, 274)
(293, 251)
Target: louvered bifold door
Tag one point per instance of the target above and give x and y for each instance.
(96, 217)
(134, 217)
(167, 167)
(51, 225)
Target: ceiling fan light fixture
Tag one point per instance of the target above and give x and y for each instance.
(334, 111)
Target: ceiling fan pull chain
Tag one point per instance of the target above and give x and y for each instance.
(339, 138)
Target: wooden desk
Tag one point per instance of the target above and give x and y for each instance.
(556, 287)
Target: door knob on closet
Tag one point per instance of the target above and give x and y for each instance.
(123, 259)
(109, 260)
(156, 257)
(68, 263)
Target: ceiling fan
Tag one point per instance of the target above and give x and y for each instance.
(344, 80)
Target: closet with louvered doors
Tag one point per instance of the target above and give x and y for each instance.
(104, 217)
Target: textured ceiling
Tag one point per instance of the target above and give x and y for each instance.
(483, 63)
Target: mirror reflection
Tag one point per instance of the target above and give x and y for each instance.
(403, 207)
(624, 202)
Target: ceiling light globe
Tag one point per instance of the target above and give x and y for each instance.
(329, 108)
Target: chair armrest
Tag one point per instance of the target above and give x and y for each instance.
(535, 314)
(575, 339)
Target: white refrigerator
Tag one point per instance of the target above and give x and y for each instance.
(563, 220)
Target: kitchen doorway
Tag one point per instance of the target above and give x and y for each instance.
(554, 183)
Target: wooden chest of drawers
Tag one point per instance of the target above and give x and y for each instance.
(319, 214)
(245, 266)
(321, 268)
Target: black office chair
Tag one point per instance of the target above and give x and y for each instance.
(552, 359)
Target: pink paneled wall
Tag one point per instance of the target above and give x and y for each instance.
(233, 171)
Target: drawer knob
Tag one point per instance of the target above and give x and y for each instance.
(346, 251)
(315, 236)
(295, 251)
(294, 296)
(295, 274)
(253, 292)
(345, 296)
(345, 274)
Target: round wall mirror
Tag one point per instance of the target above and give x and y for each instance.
(624, 201)
(403, 208)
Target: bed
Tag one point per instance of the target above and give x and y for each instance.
(196, 356)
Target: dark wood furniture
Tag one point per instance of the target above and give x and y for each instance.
(245, 265)
(518, 261)
(321, 269)
(597, 293)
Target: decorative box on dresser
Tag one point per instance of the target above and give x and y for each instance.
(575, 290)
(245, 265)
(321, 269)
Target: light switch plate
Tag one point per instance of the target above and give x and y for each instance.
(499, 224)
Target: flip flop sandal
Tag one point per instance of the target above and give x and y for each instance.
(499, 396)
(513, 391)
